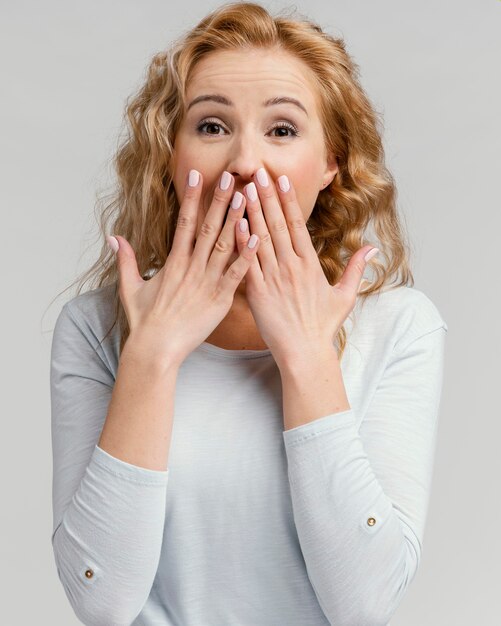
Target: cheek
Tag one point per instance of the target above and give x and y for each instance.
(306, 187)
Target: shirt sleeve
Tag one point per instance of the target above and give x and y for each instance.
(360, 495)
(108, 515)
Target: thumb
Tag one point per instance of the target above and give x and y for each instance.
(354, 272)
(129, 275)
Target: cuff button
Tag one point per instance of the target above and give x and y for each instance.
(371, 521)
(89, 573)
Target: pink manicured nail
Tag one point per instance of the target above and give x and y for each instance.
(371, 253)
(236, 203)
(242, 225)
(283, 183)
(252, 241)
(262, 177)
(251, 192)
(193, 178)
(225, 181)
(113, 243)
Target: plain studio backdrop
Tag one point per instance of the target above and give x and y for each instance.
(433, 70)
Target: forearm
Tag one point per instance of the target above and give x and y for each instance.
(312, 387)
(107, 545)
(359, 555)
(338, 504)
(138, 425)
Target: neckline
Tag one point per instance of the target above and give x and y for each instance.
(233, 354)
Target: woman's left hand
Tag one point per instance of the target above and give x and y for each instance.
(297, 312)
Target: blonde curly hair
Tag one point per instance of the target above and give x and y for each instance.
(143, 206)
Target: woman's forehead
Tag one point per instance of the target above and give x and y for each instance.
(254, 71)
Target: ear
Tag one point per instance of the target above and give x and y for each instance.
(331, 169)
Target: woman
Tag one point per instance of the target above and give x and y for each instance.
(253, 442)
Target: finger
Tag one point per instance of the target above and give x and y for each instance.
(239, 268)
(225, 244)
(213, 219)
(254, 273)
(186, 225)
(298, 231)
(129, 276)
(354, 272)
(276, 218)
(258, 225)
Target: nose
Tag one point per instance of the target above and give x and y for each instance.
(244, 160)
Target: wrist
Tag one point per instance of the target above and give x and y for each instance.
(303, 359)
(144, 348)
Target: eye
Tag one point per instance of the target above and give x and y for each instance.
(286, 126)
(208, 122)
(292, 128)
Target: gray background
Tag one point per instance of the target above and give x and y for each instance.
(432, 69)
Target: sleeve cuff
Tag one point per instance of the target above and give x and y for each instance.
(125, 470)
(317, 427)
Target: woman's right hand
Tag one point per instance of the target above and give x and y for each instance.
(178, 308)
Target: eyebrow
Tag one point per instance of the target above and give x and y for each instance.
(223, 100)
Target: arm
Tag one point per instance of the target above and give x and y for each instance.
(108, 512)
(312, 387)
(360, 495)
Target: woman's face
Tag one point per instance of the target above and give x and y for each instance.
(244, 134)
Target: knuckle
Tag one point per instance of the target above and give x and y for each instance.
(221, 196)
(265, 239)
(279, 226)
(297, 224)
(185, 220)
(221, 245)
(207, 229)
(233, 274)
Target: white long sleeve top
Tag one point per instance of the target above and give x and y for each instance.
(250, 525)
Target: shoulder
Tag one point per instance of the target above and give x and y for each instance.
(398, 315)
(92, 312)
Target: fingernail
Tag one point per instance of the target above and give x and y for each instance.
(262, 177)
(283, 183)
(371, 253)
(236, 203)
(242, 225)
(252, 241)
(113, 243)
(193, 178)
(251, 191)
(225, 181)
